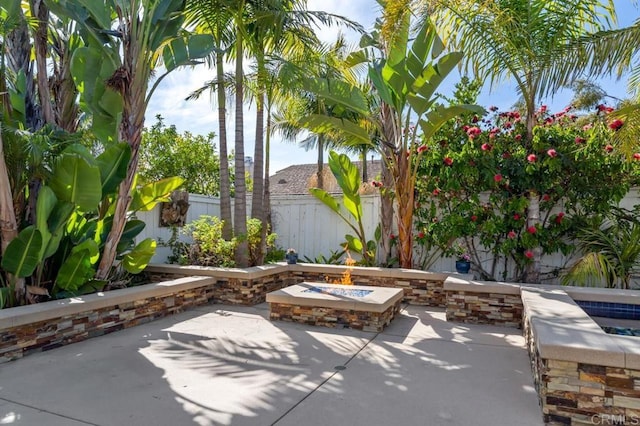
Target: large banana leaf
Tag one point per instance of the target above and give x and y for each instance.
(75, 271)
(76, 181)
(57, 222)
(23, 253)
(185, 50)
(348, 178)
(113, 164)
(90, 69)
(326, 198)
(137, 259)
(44, 207)
(148, 196)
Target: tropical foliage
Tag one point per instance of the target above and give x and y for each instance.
(206, 245)
(527, 41)
(348, 178)
(406, 115)
(483, 176)
(165, 153)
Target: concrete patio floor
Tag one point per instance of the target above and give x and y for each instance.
(229, 365)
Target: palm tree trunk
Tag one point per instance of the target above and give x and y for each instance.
(240, 206)
(18, 48)
(257, 210)
(40, 39)
(532, 272)
(404, 198)
(365, 173)
(266, 222)
(225, 191)
(320, 169)
(130, 131)
(63, 89)
(8, 224)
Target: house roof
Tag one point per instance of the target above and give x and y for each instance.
(297, 179)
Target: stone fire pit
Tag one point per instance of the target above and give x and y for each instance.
(335, 305)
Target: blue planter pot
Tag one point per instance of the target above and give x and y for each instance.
(292, 259)
(462, 266)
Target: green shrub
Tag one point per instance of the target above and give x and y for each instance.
(208, 248)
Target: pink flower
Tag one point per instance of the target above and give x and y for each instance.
(448, 161)
(486, 147)
(516, 216)
(518, 137)
(497, 178)
(511, 235)
(420, 234)
(546, 197)
(528, 254)
(507, 125)
(475, 119)
(532, 158)
(436, 192)
(473, 132)
(532, 230)
(392, 236)
(608, 148)
(552, 153)
(474, 218)
(506, 155)
(580, 140)
(587, 127)
(559, 217)
(376, 183)
(636, 156)
(422, 148)
(604, 108)
(616, 124)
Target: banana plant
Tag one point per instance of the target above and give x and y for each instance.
(404, 82)
(74, 216)
(126, 42)
(348, 178)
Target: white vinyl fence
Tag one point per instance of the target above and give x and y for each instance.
(304, 223)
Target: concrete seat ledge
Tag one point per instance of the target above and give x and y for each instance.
(473, 286)
(563, 331)
(209, 271)
(280, 267)
(23, 315)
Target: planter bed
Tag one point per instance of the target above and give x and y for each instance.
(44, 326)
(48, 325)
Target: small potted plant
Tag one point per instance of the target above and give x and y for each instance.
(291, 256)
(463, 261)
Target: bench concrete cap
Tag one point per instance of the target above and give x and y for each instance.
(379, 300)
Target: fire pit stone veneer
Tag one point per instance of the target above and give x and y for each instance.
(334, 305)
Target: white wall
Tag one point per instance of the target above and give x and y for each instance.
(304, 223)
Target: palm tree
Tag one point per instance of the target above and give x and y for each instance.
(610, 253)
(214, 17)
(329, 61)
(521, 40)
(606, 53)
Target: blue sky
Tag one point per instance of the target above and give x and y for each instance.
(200, 117)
